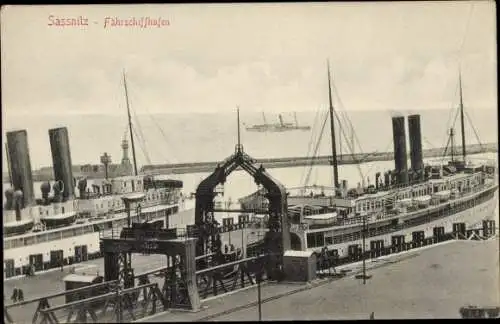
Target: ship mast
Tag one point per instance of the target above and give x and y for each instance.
(462, 125)
(332, 131)
(130, 123)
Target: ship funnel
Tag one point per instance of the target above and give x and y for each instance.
(20, 165)
(61, 160)
(400, 159)
(417, 162)
(18, 203)
(9, 196)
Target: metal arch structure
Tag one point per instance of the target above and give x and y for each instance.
(277, 239)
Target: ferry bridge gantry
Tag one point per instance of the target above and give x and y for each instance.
(276, 240)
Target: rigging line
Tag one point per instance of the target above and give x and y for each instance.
(141, 145)
(453, 108)
(139, 127)
(311, 161)
(474, 129)
(310, 144)
(138, 134)
(316, 150)
(138, 131)
(156, 124)
(313, 154)
(347, 121)
(164, 136)
(313, 135)
(428, 142)
(350, 147)
(342, 107)
(443, 157)
(465, 32)
(368, 171)
(314, 138)
(460, 52)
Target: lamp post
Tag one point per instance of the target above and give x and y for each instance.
(364, 276)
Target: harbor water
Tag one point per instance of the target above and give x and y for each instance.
(240, 184)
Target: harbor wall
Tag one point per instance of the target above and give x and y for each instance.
(46, 174)
(182, 168)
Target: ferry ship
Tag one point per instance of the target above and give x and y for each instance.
(277, 127)
(407, 200)
(65, 228)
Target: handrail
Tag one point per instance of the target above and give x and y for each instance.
(64, 293)
(233, 263)
(91, 299)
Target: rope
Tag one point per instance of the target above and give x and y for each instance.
(347, 119)
(474, 129)
(350, 147)
(460, 52)
(142, 135)
(316, 150)
(310, 144)
(385, 150)
(142, 145)
(466, 29)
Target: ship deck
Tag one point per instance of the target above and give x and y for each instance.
(430, 283)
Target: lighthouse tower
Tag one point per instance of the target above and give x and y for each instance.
(125, 158)
(126, 165)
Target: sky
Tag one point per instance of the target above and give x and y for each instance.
(261, 57)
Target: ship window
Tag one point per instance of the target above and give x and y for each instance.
(329, 240)
(62, 210)
(29, 241)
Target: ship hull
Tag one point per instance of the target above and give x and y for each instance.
(73, 246)
(472, 217)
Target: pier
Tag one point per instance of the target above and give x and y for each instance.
(268, 163)
(45, 174)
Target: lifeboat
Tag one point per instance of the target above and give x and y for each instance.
(422, 201)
